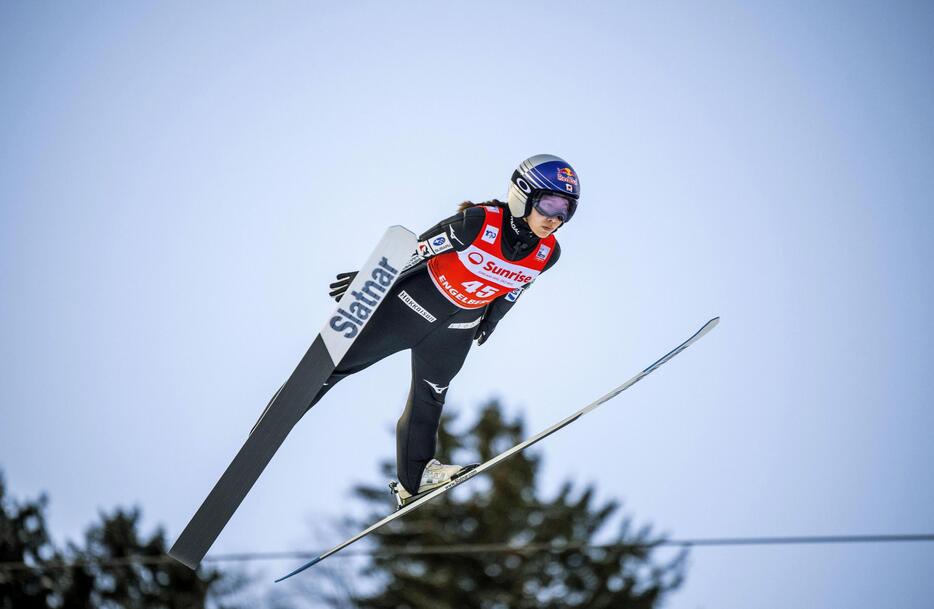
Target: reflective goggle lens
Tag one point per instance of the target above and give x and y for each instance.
(555, 206)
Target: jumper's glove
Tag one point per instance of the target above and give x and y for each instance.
(340, 286)
(484, 330)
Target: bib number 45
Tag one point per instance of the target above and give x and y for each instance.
(479, 289)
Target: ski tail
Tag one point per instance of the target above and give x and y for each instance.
(395, 250)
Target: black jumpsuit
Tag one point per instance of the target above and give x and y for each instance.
(439, 347)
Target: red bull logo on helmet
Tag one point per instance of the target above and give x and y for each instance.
(566, 174)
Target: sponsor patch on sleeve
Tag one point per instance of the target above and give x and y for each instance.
(514, 295)
(434, 245)
(441, 243)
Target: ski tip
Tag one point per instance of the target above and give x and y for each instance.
(707, 327)
(300, 569)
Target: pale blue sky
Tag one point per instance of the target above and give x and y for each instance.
(179, 183)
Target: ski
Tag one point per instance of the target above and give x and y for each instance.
(428, 496)
(395, 252)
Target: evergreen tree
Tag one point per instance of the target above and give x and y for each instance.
(113, 576)
(504, 507)
(24, 539)
(116, 568)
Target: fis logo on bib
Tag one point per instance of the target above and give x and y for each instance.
(349, 320)
(542, 252)
(489, 233)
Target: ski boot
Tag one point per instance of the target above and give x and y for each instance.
(436, 474)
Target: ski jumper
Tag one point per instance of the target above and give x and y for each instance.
(434, 311)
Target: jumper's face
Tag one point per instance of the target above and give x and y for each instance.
(541, 224)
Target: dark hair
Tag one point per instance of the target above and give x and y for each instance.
(469, 204)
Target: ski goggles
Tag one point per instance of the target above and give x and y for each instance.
(555, 206)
